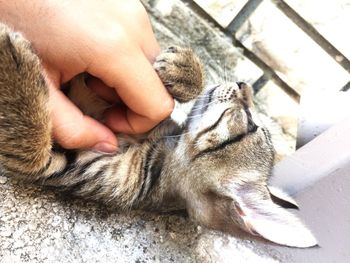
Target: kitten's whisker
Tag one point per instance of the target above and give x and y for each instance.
(202, 96)
(172, 136)
(225, 74)
(194, 116)
(176, 135)
(205, 105)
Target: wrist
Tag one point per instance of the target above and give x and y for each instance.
(17, 13)
(28, 18)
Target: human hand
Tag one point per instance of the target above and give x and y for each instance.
(113, 41)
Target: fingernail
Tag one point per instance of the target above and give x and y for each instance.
(105, 147)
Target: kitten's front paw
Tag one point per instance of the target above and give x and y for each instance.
(25, 134)
(181, 73)
(16, 54)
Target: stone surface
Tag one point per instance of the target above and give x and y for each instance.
(290, 52)
(331, 19)
(3, 179)
(223, 11)
(37, 225)
(300, 61)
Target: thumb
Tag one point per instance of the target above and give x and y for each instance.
(72, 129)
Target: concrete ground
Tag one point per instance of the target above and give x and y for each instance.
(39, 225)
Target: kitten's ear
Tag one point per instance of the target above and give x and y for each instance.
(272, 222)
(281, 198)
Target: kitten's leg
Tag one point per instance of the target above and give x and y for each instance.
(25, 130)
(181, 73)
(24, 115)
(85, 99)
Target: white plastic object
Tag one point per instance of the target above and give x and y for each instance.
(327, 138)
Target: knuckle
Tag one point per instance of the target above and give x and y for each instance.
(69, 141)
(165, 109)
(69, 136)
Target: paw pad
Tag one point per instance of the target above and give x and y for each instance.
(171, 50)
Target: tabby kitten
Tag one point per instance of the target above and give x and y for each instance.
(209, 157)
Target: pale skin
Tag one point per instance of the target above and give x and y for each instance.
(113, 41)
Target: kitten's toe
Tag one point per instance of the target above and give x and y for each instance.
(16, 53)
(181, 73)
(172, 49)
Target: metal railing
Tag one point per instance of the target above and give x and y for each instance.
(268, 72)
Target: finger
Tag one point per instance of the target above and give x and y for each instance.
(102, 90)
(71, 129)
(149, 46)
(116, 119)
(141, 32)
(138, 86)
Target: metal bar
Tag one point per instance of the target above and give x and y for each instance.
(202, 13)
(242, 16)
(313, 34)
(268, 71)
(346, 87)
(260, 83)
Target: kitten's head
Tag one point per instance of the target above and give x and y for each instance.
(228, 158)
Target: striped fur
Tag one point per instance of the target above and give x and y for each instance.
(210, 157)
